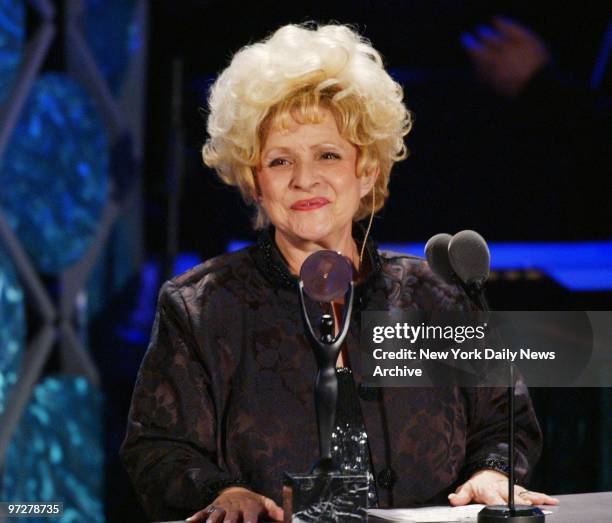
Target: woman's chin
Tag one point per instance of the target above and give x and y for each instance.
(316, 233)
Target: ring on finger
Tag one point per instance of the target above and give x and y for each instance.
(211, 509)
(525, 492)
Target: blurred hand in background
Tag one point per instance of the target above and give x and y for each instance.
(506, 55)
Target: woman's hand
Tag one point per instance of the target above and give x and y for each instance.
(491, 488)
(236, 504)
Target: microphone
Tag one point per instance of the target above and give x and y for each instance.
(436, 254)
(463, 260)
(469, 257)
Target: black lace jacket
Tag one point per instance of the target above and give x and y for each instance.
(224, 394)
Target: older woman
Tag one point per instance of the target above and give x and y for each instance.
(307, 124)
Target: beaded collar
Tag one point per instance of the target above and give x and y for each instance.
(271, 263)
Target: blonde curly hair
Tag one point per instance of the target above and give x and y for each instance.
(291, 75)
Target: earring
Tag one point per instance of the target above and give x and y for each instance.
(365, 238)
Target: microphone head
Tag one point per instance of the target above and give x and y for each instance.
(326, 275)
(436, 253)
(469, 257)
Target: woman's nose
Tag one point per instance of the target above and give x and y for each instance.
(304, 175)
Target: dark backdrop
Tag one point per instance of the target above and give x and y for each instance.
(506, 169)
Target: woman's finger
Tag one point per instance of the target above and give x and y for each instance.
(202, 515)
(232, 516)
(491, 495)
(216, 515)
(519, 497)
(463, 495)
(537, 498)
(250, 516)
(274, 511)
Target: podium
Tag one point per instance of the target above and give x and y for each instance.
(572, 508)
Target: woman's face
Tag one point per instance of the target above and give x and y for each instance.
(308, 183)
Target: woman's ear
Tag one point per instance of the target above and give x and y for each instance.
(368, 180)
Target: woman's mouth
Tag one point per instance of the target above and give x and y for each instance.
(310, 204)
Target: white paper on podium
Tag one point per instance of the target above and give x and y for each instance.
(429, 514)
(461, 514)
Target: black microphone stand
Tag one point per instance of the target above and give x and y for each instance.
(475, 291)
(448, 270)
(509, 513)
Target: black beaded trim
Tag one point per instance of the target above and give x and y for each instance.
(492, 463)
(212, 488)
(270, 262)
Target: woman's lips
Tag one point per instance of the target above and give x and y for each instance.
(309, 205)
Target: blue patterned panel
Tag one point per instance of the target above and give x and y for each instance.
(12, 327)
(56, 451)
(54, 173)
(12, 35)
(113, 37)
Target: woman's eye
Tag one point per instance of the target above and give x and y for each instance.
(278, 162)
(330, 156)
